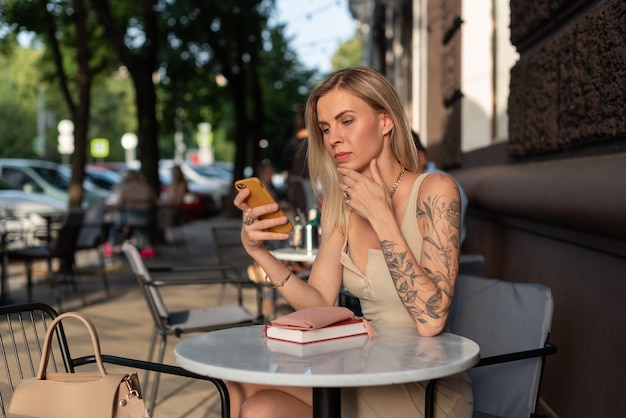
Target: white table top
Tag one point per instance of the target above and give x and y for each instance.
(292, 254)
(399, 355)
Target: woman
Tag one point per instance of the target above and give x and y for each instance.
(136, 204)
(176, 190)
(299, 190)
(390, 235)
(170, 205)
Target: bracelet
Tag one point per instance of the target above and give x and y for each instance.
(281, 283)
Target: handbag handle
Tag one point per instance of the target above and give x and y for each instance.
(48, 342)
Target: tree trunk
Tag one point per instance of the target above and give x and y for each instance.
(237, 86)
(81, 112)
(148, 125)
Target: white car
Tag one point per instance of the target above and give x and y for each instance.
(46, 178)
(210, 193)
(206, 182)
(29, 213)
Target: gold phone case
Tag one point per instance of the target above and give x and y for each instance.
(259, 196)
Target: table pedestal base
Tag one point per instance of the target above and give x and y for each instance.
(326, 403)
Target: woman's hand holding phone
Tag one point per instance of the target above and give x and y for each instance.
(260, 196)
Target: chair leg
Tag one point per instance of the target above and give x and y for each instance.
(181, 227)
(220, 300)
(146, 379)
(54, 284)
(103, 272)
(76, 281)
(29, 279)
(157, 376)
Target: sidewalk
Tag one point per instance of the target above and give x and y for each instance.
(123, 321)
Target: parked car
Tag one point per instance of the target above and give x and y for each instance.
(119, 167)
(201, 201)
(35, 213)
(217, 171)
(103, 177)
(206, 196)
(46, 178)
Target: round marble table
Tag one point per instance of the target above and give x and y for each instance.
(399, 355)
(299, 255)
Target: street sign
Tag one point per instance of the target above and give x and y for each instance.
(99, 148)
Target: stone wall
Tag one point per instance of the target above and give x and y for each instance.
(549, 206)
(569, 87)
(444, 82)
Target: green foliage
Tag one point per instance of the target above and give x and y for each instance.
(21, 81)
(20, 75)
(113, 112)
(18, 131)
(195, 88)
(286, 84)
(18, 103)
(214, 62)
(349, 54)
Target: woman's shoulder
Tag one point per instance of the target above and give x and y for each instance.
(437, 183)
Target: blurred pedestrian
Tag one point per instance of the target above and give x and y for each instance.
(136, 203)
(299, 191)
(171, 202)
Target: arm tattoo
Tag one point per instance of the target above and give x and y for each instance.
(440, 222)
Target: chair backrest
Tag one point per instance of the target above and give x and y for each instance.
(66, 241)
(91, 231)
(472, 264)
(151, 293)
(230, 251)
(503, 317)
(22, 330)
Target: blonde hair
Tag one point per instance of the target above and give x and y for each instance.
(372, 87)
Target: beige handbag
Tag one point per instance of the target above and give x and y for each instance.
(77, 395)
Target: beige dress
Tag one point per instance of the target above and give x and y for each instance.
(381, 303)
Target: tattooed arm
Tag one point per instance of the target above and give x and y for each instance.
(425, 282)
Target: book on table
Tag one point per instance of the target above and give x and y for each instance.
(317, 348)
(346, 328)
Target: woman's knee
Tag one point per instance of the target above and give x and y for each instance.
(274, 404)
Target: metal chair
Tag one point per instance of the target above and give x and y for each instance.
(61, 248)
(22, 329)
(230, 252)
(172, 224)
(177, 323)
(92, 235)
(511, 324)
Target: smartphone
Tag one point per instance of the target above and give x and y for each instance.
(259, 196)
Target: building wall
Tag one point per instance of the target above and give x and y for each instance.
(443, 90)
(547, 201)
(549, 205)
(569, 87)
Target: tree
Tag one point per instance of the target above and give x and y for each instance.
(133, 30)
(214, 61)
(71, 39)
(348, 54)
(18, 102)
(238, 64)
(113, 111)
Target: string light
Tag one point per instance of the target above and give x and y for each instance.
(311, 14)
(322, 45)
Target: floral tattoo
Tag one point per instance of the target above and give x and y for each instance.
(439, 221)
